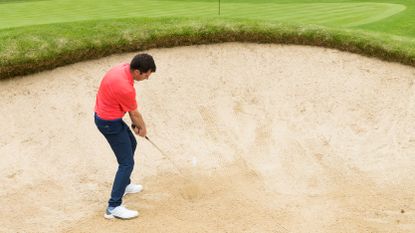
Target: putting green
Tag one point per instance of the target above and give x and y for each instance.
(15, 14)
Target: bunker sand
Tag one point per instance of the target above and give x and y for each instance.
(270, 138)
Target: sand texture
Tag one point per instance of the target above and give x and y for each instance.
(263, 138)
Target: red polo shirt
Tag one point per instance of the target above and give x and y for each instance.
(116, 94)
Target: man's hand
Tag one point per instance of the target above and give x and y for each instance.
(139, 131)
(142, 132)
(138, 122)
(135, 129)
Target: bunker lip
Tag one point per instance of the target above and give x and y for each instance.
(174, 31)
(286, 139)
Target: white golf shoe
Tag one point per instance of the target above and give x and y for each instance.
(133, 188)
(121, 212)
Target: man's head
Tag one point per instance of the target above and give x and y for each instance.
(142, 66)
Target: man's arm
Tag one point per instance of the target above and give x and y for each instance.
(138, 121)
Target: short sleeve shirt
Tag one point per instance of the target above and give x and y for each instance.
(116, 93)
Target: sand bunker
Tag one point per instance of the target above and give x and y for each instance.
(272, 138)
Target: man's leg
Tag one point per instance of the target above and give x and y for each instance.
(133, 140)
(122, 146)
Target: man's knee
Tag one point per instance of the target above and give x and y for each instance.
(127, 166)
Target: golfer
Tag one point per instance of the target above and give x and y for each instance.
(115, 97)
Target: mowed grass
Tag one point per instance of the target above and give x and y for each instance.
(346, 14)
(39, 35)
(327, 14)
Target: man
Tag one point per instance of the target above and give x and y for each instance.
(115, 97)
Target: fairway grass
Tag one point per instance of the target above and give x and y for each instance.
(329, 14)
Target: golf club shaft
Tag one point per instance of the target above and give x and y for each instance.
(148, 139)
(164, 154)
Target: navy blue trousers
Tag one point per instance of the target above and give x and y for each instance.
(123, 144)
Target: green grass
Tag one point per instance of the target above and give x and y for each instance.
(331, 14)
(39, 35)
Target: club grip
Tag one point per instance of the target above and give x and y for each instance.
(134, 126)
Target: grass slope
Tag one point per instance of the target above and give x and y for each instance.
(32, 49)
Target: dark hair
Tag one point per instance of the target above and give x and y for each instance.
(143, 62)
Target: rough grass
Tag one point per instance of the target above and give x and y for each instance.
(32, 49)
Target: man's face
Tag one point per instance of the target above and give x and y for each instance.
(140, 77)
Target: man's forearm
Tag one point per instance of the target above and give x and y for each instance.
(137, 119)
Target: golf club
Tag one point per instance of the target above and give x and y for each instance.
(161, 151)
